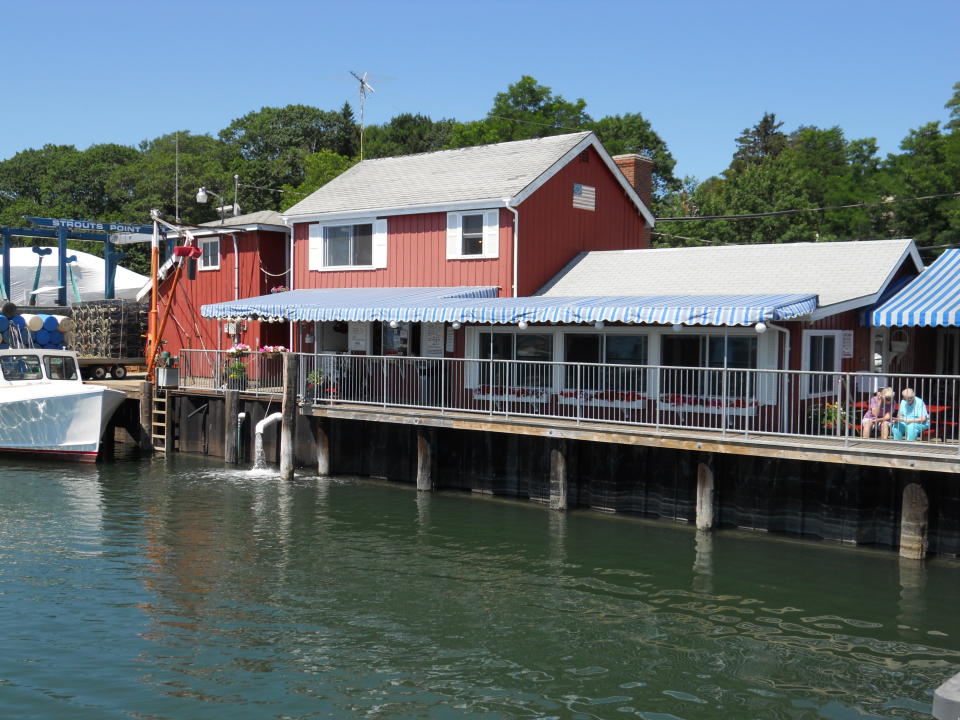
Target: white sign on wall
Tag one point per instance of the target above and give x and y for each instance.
(846, 344)
(358, 337)
(431, 339)
(451, 339)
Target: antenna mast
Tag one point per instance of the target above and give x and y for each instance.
(364, 86)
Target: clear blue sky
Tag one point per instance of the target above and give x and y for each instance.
(89, 72)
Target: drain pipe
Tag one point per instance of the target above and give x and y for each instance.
(516, 234)
(267, 422)
(241, 419)
(785, 415)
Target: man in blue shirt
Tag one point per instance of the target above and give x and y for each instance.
(912, 417)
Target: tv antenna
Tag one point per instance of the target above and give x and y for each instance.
(364, 86)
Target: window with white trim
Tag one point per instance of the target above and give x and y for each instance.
(473, 234)
(531, 350)
(821, 353)
(618, 350)
(348, 246)
(210, 258)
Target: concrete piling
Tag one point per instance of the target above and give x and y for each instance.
(913, 523)
(424, 459)
(558, 475)
(704, 496)
(323, 448)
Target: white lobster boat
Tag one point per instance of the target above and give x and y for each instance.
(46, 409)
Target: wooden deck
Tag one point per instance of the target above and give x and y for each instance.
(925, 456)
(129, 385)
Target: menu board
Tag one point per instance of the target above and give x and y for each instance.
(358, 337)
(846, 344)
(431, 339)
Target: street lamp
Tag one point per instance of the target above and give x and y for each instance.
(203, 193)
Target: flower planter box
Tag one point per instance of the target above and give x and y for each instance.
(588, 398)
(513, 396)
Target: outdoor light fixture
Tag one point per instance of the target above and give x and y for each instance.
(522, 324)
(760, 327)
(677, 327)
(203, 195)
(394, 324)
(598, 324)
(455, 326)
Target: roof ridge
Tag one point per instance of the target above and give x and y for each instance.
(581, 133)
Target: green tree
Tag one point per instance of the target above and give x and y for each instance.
(953, 105)
(321, 168)
(632, 133)
(755, 144)
(526, 110)
(406, 134)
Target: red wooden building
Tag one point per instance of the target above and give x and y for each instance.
(241, 257)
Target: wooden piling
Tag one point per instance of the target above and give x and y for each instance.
(289, 411)
(913, 523)
(704, 496)
(424, 459)
(558, 475)
(231, 405)
(323, 448)
(169, 426)
(146, 415)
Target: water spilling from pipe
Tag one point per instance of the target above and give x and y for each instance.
(259, 458)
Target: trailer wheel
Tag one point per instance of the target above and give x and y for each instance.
(98, 372)
(119, 372)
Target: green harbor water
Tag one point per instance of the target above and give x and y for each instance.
(178, 589)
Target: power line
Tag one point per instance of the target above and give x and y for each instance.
(775, 213)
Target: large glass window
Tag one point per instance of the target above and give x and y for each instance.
(348, 245)
(821, 355)
(737, 352)
(607, 349)
(530, 350)
(21, 367)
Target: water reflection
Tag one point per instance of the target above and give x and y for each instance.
(221, 594)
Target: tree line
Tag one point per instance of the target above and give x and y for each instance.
(283, 154)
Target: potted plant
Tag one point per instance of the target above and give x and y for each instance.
(271, 351)
(236, 375)
(315, 378)
(238, 350)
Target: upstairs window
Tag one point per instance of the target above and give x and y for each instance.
(474, 234)
(348, 246)
(210, 259)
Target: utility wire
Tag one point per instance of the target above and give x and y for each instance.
(775, 213)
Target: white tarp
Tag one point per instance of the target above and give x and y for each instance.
(88, 271)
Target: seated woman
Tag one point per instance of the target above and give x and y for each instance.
(912, 417)
(879, 414)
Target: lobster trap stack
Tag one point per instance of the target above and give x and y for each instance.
(110, 328)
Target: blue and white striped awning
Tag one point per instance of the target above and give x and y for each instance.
(479, 306)
(932, 299)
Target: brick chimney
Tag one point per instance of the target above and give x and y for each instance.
(639, 172)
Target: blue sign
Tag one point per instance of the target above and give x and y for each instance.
(91, 225)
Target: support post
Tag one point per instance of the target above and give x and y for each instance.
(6, 264)
(424, 460)
(704, 496)
(289, 410)
(323, 448)
(558, 475)
(146, 415)
(231, 409)
(913, 523)
(62, 266)
(168, 425)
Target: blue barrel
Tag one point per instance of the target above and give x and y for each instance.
(19, 321)
(4, 323)
(50, 322)
(56, 338)
(41, 337)
(51, 346)
(4, 346)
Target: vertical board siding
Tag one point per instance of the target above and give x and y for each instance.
(416, 257)
(186, 329)
(552, 231)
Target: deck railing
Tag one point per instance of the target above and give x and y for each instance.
(253, 372)
(732, 401)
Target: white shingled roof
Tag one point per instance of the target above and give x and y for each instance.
(838, 272)
(447, 177)
(260, 217)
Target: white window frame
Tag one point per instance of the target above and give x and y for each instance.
(378, 245)
(805, 392)
(491, 234)
(202, 243)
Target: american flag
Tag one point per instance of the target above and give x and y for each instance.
(584, 197)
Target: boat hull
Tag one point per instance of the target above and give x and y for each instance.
(63, 421)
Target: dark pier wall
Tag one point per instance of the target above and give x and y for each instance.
(837, 502)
